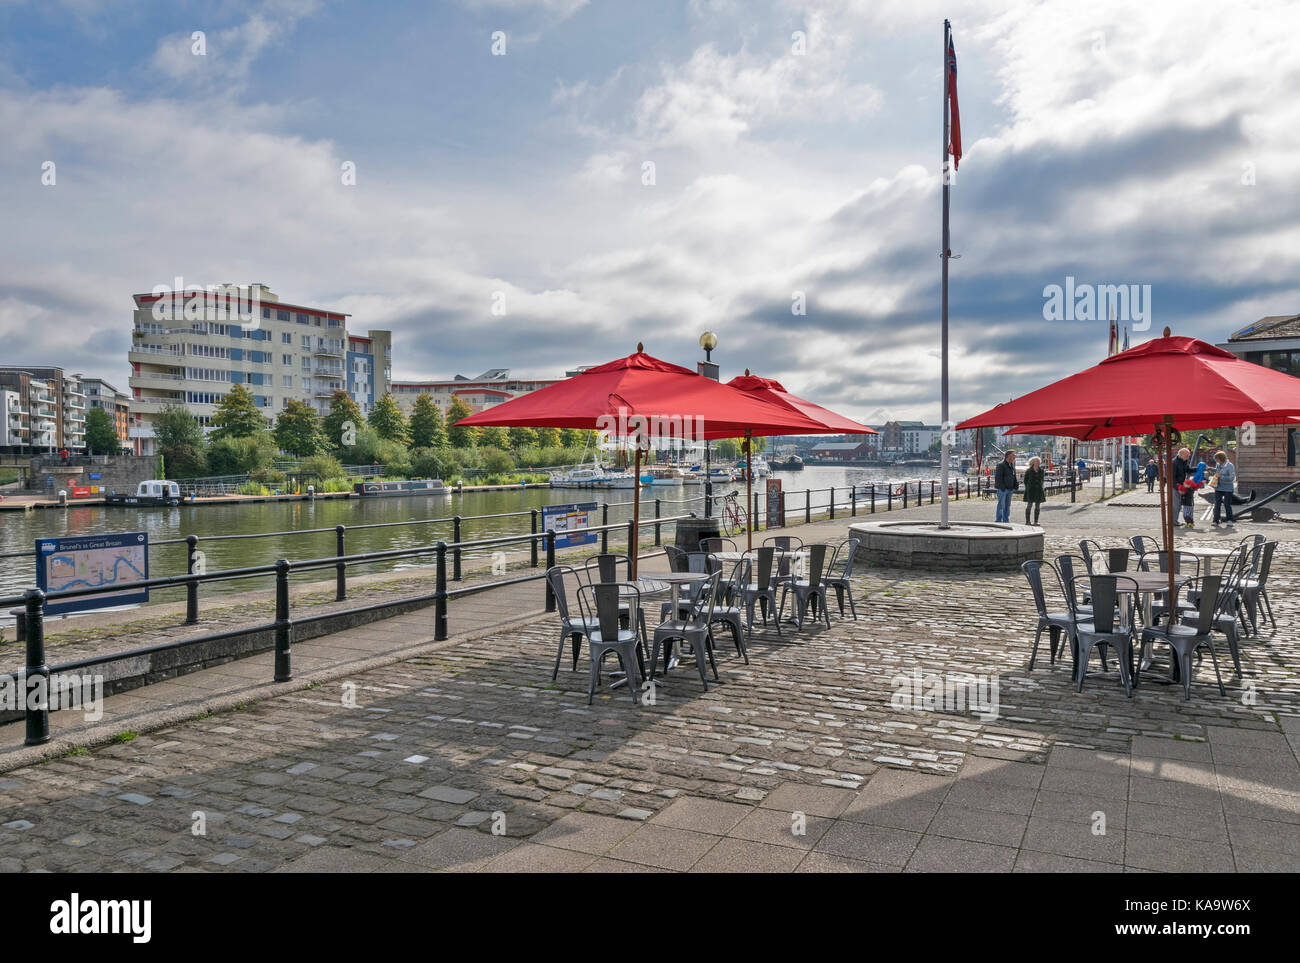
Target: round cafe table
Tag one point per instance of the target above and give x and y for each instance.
(1148, 584)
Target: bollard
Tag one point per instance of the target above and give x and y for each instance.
(832, 502)
(455, 552)
(38, 709)
(658, 540)
(807, 505)
(340, 567)
(550, 564)
(532, 542)
(191, 588)
(440, 595)
(283, 627)
(604, 532)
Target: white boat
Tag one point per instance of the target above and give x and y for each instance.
(666, 475)
(760, 467)
(580, 477)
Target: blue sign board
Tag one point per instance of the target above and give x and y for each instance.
(95, 476)
(89, 561)
(570, 523)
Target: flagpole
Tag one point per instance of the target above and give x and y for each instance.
(946, 253)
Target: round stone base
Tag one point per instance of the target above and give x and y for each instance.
(962, 545)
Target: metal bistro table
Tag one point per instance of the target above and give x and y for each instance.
(1148, 584)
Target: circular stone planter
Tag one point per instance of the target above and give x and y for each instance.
(962, 545)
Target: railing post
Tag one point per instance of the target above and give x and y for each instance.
(283, 627)
(440, 595)
(658, 539)
(782, 507)
(532, 542)
(931, 491)
(807, 505)
(455, 552)
(38, 709)
(632, 546)
(191, 588)
(340, 567)
(550, 563)
(604, 532)
(904, 494)
(832, 503)
(853, 501)
(753, 519)
(873, 498)
(889, 496)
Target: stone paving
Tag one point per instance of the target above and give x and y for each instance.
(469, 758)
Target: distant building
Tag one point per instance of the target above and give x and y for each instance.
(370, 368)
(1272, 461)
(101, 394)
(891, 434)
(189, 348)
(840, 450)
(917, 440)
(47, 410)
(487, 389)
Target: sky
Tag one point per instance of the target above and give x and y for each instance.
(541, 184)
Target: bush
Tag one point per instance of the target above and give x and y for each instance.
(497, 461)
(429, 463)
(184, 461)
(324, 467)
(241, 456)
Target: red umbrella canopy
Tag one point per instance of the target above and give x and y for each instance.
(774, 392)
(1129, 393)
(643, 394)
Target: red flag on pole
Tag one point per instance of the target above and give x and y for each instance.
(954, 133)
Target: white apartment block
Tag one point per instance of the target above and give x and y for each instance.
(44, 409)
(189, 349)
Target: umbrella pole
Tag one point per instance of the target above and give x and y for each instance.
(1169, 519)
(634, 549)
(749, 494)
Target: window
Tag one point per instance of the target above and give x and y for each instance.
(306, 364)
(286, 359)
(306, 342)
(288, 381)
(302, 318)
(282, 315)
(266, 313)
(286, 338)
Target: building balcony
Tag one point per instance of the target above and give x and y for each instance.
(147, 379)
(147, 353)
(327, 349)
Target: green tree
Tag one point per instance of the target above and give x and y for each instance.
(101, 435)
(238, 415)
(241, 456)
(298, 430)
(547, 437)
(570, 438)
(494, 438)
(458, 436)
(388, 421)
(520, 437)
(175, 426)
(427, 428)
(344, 422)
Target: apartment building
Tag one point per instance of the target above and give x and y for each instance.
(101, 394)
(44, 409)
(189, 348)
(1268, 458)
(370, 368)
(487, 389)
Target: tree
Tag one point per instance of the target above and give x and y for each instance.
(570, 438)
(241, 456)
(547, 437)
(427, 428)
(238, 415)
(388, 421)
(520, 437)
(101, 434)
(344, 421)
(458, 436)
(175, 426)
(494, 438)
(298, 430)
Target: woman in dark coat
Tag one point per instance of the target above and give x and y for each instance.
(1035, 493)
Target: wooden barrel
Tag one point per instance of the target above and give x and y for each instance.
(691, 530)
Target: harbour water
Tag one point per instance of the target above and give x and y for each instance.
(19, 530)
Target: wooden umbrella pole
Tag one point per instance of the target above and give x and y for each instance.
(749, 494)
(634, 549)
(1172, 507)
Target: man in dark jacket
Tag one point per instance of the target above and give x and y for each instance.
(1005, 484)
(1182, 471)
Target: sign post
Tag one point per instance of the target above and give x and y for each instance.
(91, 561)
(570, 523)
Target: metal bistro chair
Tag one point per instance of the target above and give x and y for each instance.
(808, 589)
(572, 625)
(1186, 639)
(1054, 622)
(1226, 612)
(786, 543)
(1117, 560)
(1105, 628)
(730, 608)
(1087, 549)
(1066, 572)
(762, 591)
(718, 544)
(1181, 562)
(839, 574)
(605, 566)
(676, 559)
(1254, 589)
(1144, 543)
(691, 562)
(694, 630)
(600, 608)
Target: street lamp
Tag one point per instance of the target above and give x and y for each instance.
(708, 341)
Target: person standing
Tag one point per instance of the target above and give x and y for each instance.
(1182, 472)
(1224, 486)
(1005, 484)
(1151, 475)
(1035, 489)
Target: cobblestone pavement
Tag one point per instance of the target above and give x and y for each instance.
(470, 758)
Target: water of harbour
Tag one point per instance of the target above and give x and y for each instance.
(19, 530)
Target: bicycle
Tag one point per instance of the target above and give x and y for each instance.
(732, 515)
